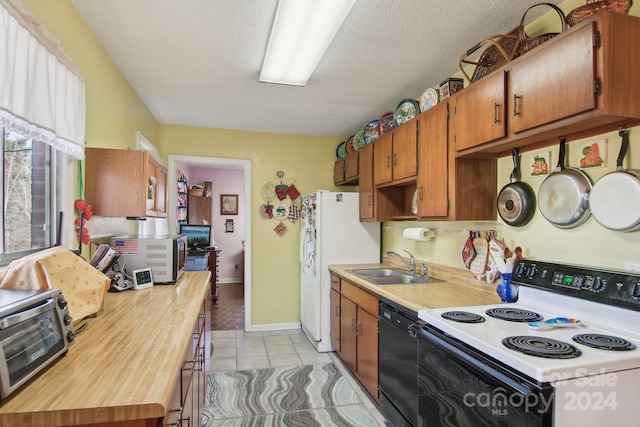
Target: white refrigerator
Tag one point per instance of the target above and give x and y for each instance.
(331, 233)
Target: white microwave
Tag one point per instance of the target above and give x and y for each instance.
(165, 255)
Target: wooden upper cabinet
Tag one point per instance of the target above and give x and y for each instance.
(365, 183)
(578, 84)
(433, 175)
(395, 154)
(382, 158)
(121, 183)
(479, 112)
(555, 82)
(346, 170)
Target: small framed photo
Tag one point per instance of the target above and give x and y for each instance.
(228, 204)
(593, 154)
(540, 163)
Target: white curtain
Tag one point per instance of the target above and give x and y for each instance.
(42, 92)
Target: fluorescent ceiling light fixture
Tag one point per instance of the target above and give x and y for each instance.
(301, 33)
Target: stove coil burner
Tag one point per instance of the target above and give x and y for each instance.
(541, 347)
(462, 317)
(514, 314)
(604, 342)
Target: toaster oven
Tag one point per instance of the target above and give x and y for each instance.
(35, 330)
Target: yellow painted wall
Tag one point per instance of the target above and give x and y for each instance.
(114, 110)
(309, 160)
(589, 244)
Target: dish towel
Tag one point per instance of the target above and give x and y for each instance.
(82, 285)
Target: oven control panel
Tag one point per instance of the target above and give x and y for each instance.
(619, 288)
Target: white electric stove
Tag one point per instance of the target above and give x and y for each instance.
(588, 371)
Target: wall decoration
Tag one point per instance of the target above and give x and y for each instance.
(228, 204)
(280, 229)
(283, 192)
(593, 154)
(228, 226)
(540, 163)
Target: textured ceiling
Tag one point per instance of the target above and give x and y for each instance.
(196, 62)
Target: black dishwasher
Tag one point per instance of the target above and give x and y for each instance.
(398, 361)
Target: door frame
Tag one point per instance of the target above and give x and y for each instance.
(213, 162)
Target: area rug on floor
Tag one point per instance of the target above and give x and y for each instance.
(310, 395)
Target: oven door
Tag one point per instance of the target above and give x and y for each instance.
(458, 386)
(29, 340)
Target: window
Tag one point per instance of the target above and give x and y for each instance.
(26, 184)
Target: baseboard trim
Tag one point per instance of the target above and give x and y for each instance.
(274, 327)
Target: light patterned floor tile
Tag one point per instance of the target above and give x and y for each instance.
(289, 359)
(314, 358)
(223, 364)
(280, 349)
(252, 362)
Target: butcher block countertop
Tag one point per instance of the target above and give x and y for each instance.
(123, 365)
(459, 289)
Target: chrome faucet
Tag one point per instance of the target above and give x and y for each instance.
(411, 265)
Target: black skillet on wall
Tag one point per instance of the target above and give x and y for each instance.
(516, 200)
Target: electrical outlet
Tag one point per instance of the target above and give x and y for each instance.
(237, 268)
(632, 266)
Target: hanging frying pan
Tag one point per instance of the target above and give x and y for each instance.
(615, 198)
(516, 201)
(563, 198)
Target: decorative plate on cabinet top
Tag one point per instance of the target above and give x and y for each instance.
(358, 140)
(406, 110)
(429, 99)
(371, 132)
(349, 145)
(341, 150)
(385, 123)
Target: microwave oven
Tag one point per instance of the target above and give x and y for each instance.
(35, 330)
(165, 255)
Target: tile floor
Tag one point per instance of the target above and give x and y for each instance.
(239, 350)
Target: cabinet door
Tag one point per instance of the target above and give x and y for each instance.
(335, 319)
(115, 182)
(338, 171)
(554, 82)
(433, 159)
(365, 182)
(382, 159)
(348, 319)
(199, 210)
(351, 167)
(405, 150)
(367, 351)
(479, 112)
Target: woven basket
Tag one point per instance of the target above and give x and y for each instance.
(500, 49)
(196, 191)
(583, 12)
(527, 43)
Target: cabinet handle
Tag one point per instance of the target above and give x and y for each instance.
(395, 159)
(420, 193)
(353, 324)
(388, 161)
(337, 314)
(358, 329)
(370, 200)
(515, 104)
(496, 109)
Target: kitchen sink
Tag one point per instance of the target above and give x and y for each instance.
(379, 272)
(391, 276)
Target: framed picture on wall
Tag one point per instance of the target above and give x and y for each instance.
(228, 204)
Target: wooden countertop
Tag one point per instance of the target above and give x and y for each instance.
(459, 289)
(123, 365)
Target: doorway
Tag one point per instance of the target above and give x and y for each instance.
(245, 213)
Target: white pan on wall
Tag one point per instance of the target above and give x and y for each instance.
(615, 198)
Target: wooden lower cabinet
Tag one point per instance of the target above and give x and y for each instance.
(354, 318)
